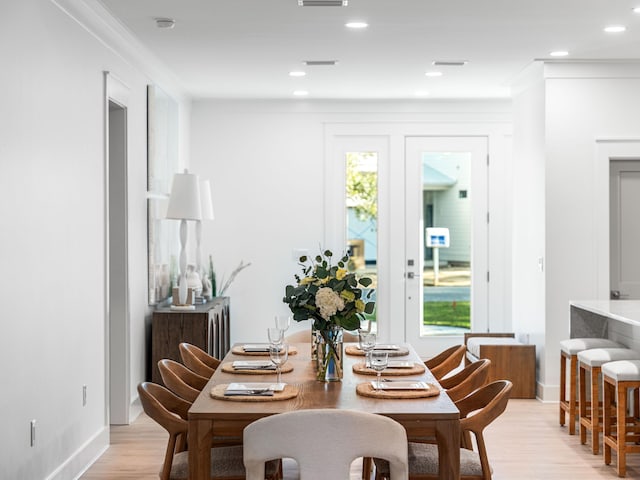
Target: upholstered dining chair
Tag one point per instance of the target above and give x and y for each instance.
(486, 404)
(170, 412)
(198, 360)
(324, 442)
(446, 361)
(180, 380)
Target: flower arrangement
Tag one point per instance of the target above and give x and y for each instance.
(329, 294)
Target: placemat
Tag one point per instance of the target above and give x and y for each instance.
(367, 390)
(290, 391)
(237, 350)
(228, 368)
(415, 370)
(354, 350)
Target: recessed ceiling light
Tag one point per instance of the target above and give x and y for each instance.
(320, 62)
(323, 3)
(433, 74)
(449, 63)
(356, 25)
(615, 29)
(636, 10)
(165, 22)
(300, 93)
(297, 73)
(559, 53)
(421, 93)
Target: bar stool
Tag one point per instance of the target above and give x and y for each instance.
(624, 376)
(569, 351)
(592, 361)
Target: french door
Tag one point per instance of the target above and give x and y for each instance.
(446, 240)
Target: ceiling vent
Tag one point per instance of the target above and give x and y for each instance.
(450, 63)
(323, 3)
(316, 63)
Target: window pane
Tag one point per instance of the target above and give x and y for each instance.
(362, 216)
(447, 252)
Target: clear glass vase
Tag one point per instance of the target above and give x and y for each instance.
(330, 353)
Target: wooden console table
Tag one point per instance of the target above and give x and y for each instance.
(206, 327)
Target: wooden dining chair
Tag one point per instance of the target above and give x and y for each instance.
(170, 412)
(486, 404)
(467, 380)
(180, 380)
(446, 361)
(324, 442)
(198, 360)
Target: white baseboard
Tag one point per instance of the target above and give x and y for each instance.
(84, 457)
(547, 393)
(135, 409)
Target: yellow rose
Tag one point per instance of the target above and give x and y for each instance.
(307, 280)
(340, 273)
(359, 306)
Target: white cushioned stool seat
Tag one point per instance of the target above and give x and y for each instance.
(596, 357)
(622, 370)
(573, 346)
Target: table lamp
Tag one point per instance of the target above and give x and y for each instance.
(184, 204)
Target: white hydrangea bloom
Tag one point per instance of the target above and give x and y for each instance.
(329, 302)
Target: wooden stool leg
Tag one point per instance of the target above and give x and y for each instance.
(572, 394)
(582, 402)
(621, 465)
(606, 421)
(595, 412)
(563, 387)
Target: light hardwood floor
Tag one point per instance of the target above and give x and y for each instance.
(525, 443)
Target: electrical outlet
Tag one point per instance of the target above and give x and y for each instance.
(84, 395)
(33, 432)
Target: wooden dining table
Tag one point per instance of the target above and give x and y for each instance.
(435, 416)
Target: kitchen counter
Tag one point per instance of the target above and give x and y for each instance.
(618, 320)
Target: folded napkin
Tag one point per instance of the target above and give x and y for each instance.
(256, 347)
(253, 365)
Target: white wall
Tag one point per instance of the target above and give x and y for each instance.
(528, 206)
(52, 205)
(265, 162)
(559, 115)
(583, 103)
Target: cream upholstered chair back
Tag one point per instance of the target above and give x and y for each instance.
(324, 442)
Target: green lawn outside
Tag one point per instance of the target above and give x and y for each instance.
(451, 314)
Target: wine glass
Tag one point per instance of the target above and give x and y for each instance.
(283, 322)
(367, 344)
(275, 335)
(379, 361)
(279, 355)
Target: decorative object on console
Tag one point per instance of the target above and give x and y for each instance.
(334, 299)
(184, 204)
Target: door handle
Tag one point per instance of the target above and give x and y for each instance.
(617, 295)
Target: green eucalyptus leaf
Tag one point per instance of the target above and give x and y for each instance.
(369, 307)
(365, 281)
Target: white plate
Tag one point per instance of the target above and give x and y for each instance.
(399, 364)
(381, 346)
(401, 385)
(276, 387)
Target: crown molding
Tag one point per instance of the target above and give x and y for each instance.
(94, 17)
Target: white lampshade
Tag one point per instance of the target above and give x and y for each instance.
(205, 200)
(184, 202)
